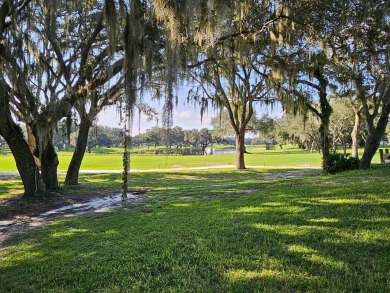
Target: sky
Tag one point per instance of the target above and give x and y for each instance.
(185, 115)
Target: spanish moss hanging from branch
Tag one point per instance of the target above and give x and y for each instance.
(127, 123)
(133, 35)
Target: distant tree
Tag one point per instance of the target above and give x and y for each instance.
(341, 123)
(233, 75)
(205, 139)
(191, 137)
(299, 131)
(154, 136)
(221, 126)
(265, 126)
(62, 134)
(177, 137)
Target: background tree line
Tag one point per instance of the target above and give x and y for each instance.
(287, 129)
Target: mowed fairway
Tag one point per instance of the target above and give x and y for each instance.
(257, 156)
(213, 230)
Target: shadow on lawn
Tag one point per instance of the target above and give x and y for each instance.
(280, 239)
(10, 184)
(284, 152)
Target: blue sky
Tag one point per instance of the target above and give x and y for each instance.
(185, 116)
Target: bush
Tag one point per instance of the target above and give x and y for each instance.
(188, 151)
(339, 163)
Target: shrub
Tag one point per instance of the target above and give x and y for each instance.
(339, 163)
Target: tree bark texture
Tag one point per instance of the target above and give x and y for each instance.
(25, 163)
(324, 132)
(240, 150)
(49, 164)
(373, 140)
(355, 134)
(72, 175)
(326, 112)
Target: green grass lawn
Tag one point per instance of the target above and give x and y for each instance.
(111, 159)
(215, 231)
(257, 156)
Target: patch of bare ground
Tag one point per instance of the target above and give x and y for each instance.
(25, 214)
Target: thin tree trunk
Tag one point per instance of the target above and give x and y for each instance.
(25, 163)
(325, 147)
(355, 133)
(344, 147)
(334, 147)
(72, 175)
(203, 147)
(240, 150)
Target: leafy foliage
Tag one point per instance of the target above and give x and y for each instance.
(339, 163)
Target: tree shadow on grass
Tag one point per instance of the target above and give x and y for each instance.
(282, 238)
(199, 247)
(284, 153)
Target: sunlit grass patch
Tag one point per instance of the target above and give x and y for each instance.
(10, 187)
(291, 230)
(325, 220)
(181, 204)
(186, 177)
(269, 209)
(312, 255)
(237, 275)
(68, 233)
(344, 201)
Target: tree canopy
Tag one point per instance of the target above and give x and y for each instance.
(67, 59)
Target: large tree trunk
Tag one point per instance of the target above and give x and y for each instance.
(326, 112)
(25, 163)
(42, 147)
(72, 175)
(355, 133)
(49, 164)
(240, 150)
(373, 140)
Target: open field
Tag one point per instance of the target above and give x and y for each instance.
(100, 159)
(215, 231)
(111, 159)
